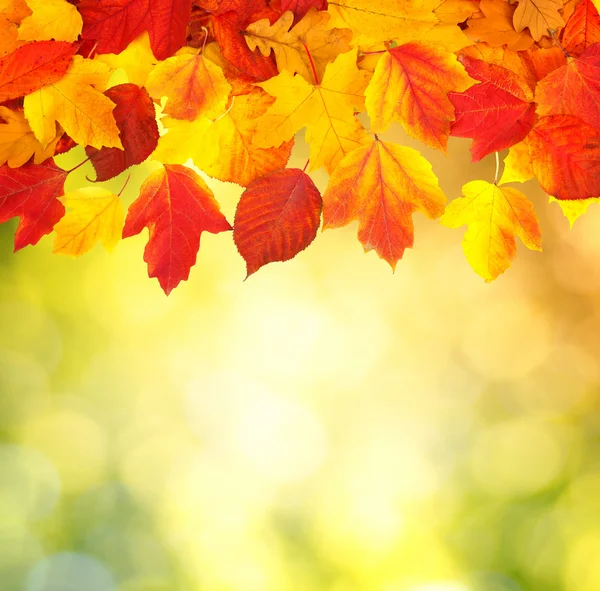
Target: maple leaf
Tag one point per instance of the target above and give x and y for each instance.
(374, 21)
(277, 216)
(326, 109)
(224, 148)
(381, 185)
(17, 142)
(495, 216)
(93, 215)
(301, 7)
(573, 88)
(114, 24)
(517, 164)
(135, 117)
(565, 155)
(456, 11)
(33, 66)
(495, 26)
(540, 16)
(176, 206)
(306, 48)
(582, 29)
(497, 113)
(410, 85)
(56, 20)
(82, 110)
(31, 193)
(194, 86)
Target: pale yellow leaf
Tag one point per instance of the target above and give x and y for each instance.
(56, 20)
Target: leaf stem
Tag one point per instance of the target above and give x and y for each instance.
(373, 52)
(306, 165)
(205, 30)
(553, 35)
(312, 65)
(123, 188)
(78, 166)
(497, 168)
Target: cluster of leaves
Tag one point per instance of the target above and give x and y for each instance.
(230, 82)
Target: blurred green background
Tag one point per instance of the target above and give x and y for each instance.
(325, 425)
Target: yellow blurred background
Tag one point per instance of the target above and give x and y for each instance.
(325, 425)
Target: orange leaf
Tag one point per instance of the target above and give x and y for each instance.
(582, 29)
(539, 16)
(381, 185)
(277, 216)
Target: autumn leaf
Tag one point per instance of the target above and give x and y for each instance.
(497, 113)
(582, 29)
(305, 49)
(176, 206)
(34, 66)
(17, 142)
(56, 20)
(565, 155)
(574, 209)
(82, 110)
(12, 12)
(31, 193)
(194, 86)
(540, 16)
(381, 185)
(326, 109)
(114, 24)
(573, 88)
(277, 216)
(410, 85)
(135, 117)
(93, 215)
(301, 7)
(517, 164)
(224, 148)
(494, 216)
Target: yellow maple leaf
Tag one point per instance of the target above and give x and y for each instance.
(517, 164)
(309, 44)
(82, 110)
(573, 209)
(93, 214)
(12, 12)
(381, 185)
(136, 60)
(456, 11)
(51, 19)
(539, 16)
(374, 21)
(193, 85)
(17, 142)
(495, 216)
(326, 109)
(223, 148)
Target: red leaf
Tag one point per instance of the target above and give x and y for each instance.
(565, 153)
(114, 24)
(33, 66)
(496, 113)
(301, 7)
(582, 28)
(277, 217)
(31, 192)
(176, 206)
(136, 120)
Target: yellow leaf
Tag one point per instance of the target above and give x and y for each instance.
(17, 142)
(573, 209)
(494, 217)
(51, 19)
(93, 215)
(136, 60)
(456, 11)
(194, 86)
(223, 148)
(82, 110)
(309, 39)
(381, 185)
(517, 164)
(327, 111)
(384, 20)
(539, 16)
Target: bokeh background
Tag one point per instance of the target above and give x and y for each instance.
(326, 425)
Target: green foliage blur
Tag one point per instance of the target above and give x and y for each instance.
(324, 426)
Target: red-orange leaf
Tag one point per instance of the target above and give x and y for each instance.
(176, 206)
(277, 217)
(582, 29)
(565, 154)
(496, 113)
(301, 7)
(31, 192)
(114, 24)
(33, 66)
(573, 89)
(136, 120)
